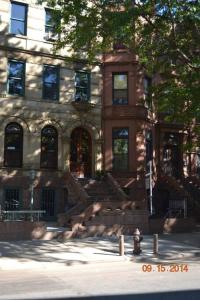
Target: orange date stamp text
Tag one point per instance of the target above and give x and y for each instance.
(173, 268)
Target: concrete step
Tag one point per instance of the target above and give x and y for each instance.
(101, 198)
(53, 231)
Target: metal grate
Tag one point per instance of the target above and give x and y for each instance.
(48, 202)
(12, 199)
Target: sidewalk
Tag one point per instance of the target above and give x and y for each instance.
(178, 248)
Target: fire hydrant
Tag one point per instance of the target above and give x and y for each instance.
(137, 238)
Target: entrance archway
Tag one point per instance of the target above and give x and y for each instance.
(81, 152)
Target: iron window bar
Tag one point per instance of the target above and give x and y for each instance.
(19, 215)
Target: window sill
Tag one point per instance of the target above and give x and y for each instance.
(13, 96)
(83, 105)
(50, 100)
(120, 104)
(49, 41)
(21, 36)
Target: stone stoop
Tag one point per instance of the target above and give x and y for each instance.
(104, 213)
(97, 190)
(53, 231)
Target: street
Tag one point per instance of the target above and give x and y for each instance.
(116, 280)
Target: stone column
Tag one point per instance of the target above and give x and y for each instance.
(97, 156)
(31, 149)
(65, 160)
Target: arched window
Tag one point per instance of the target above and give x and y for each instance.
(13, 145)
(49, 148)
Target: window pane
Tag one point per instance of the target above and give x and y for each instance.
(81, 80)
(50, 74)
(50, 83)
(18, 11)
(81, 94)
(16, 69)
(120, 133)
(13, 127)
(50, 91)
(16, 78)
(120, 81)
(82, 84)
(120, 146)
(120, 97)
(17, 27)
(15, 87)
(49, 20)
(120, 162)
(18, 19)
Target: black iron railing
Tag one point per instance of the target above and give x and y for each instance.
(21, 215)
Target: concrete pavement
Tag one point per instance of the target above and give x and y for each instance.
(53, 254)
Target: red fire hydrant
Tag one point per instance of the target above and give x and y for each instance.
(137, 238)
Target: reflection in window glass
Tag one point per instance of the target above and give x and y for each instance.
(49, 147)
(50, 26)
(18, 18)
(50, 83)
(16, 78)
(120, 89)
(120, 148)
(82, 85)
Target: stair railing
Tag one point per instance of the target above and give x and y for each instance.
(116, 187)
(77, 188)
(81, 196)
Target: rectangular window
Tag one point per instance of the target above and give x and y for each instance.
(120, 137)
(120, 89)
(18, 22)
(16, 77)
(50, 25)
(12, 199)
(147, 92)
(82, 85)
(51, 82)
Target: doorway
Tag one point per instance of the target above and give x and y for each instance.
(81, 153)
(172, 155)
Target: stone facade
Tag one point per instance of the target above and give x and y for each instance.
(33, 112)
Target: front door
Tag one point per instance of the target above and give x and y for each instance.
(81, 152)
(172, 157)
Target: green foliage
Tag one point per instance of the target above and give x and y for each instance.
(100, 174)
(164, 34)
